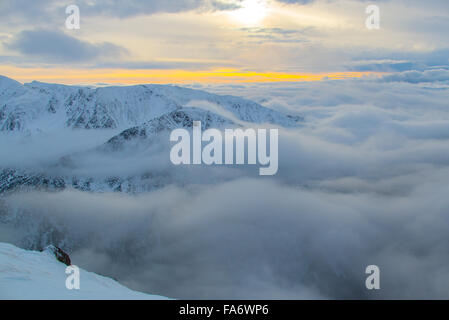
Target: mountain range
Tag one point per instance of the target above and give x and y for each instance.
(142, 115)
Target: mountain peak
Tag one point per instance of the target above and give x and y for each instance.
(6, 82)
(33, 106)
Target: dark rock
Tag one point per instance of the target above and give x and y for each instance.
(60, 255)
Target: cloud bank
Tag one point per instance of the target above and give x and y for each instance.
(363, 182)
(60, 47)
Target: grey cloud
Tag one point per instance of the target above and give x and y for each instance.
(15, 11)
(55, 46)
(302, 2)
(254, 239)
(382, 65)
(44, 10)
(397, 61)
(437, 75)
(274, 35)
(131, 8)
(296, 1)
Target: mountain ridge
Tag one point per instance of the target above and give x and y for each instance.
(146, 112)
(38, 106)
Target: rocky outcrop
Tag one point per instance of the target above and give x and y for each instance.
(59, 254)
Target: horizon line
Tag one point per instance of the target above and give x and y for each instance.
(101, 77)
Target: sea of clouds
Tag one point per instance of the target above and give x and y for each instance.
(364, 181)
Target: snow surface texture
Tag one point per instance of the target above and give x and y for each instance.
(32, 275)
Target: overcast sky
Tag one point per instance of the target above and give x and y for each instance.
(189, 41)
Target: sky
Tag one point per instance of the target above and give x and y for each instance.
(219, 41)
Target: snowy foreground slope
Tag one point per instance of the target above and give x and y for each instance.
(38, 275)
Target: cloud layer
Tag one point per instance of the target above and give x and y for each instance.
(60, 47)
(363, 182)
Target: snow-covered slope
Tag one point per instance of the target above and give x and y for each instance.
(40, 106)
(182, 118)
(59, 175)
(144, 115)
(39, 276)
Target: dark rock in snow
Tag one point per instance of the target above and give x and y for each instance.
(59, 254)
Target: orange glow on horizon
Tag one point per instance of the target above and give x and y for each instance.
(129, 77)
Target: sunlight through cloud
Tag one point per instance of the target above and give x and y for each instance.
(251, 13)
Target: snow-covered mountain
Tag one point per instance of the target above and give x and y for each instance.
(58, 176)
(182, 118)
(40, 106)
(143, 114)
(39, 276)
